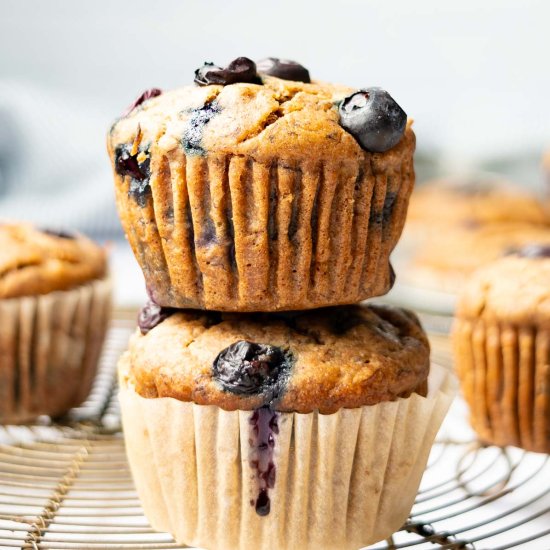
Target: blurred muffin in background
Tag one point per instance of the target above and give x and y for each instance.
(501, 340)
(456, 225)
(471, 201)
(55, 301)
(446, 261)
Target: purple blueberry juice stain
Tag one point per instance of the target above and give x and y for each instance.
(263, 429)
(250, 368)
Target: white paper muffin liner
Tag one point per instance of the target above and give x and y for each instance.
(49, 349)
(343, 480)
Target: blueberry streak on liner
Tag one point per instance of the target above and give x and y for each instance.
(247, 368)
(263, 429)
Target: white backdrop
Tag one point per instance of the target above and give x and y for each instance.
(474, 74)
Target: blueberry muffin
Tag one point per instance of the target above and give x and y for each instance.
(501, 340)
(454, 225)
(447, 262)
(472, 201)
(257, 189)
(292, 431)
(54, 307)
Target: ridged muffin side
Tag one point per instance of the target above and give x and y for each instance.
(55, 304)
(501, 340)
(291, 215)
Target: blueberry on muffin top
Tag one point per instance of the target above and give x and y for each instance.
(274, 112)
(324, 360)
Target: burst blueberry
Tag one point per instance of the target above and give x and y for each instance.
(147, 94)
(534, 251)
(127, 164)
(241, 69)
(248, 368)
(283, 68)
(151, 315)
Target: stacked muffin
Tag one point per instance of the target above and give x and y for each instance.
(260, 409)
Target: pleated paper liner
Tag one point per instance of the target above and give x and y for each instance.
(226, 232)
(505, 376)
(49, 349)
(342, 481)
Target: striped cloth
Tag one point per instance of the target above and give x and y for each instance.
(54, 169)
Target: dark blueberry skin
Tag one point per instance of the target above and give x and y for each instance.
(127, 164)
(247, 368)
(151, 315)
(147, 94)
(59, 234)
(373, 118)
(241, 69)
(192, 137)
(283, 68)
(534, 251)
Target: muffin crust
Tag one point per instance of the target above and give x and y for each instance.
(342, 357)
(279, 119)
(513, 289)
(35, 262)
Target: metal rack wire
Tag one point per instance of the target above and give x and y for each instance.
(66, 485)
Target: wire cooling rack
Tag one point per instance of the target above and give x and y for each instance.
(67, 485)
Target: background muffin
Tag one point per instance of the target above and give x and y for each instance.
(456, 225)
(54, 307)
(501, 339)
(473, 200)
(257, 464)
(446, 263)
(246, 193)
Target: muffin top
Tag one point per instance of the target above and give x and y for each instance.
(474, 200)
(267, 118)
(324, 359)
(513, 289)
(467, 249)
(37, 262)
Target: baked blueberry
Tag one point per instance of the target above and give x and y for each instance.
(192, 137)
(241, 69)
(137, 167)
(534, 251)
(389, 203)
(147, 94)
(373, 118)
(151, 315)
(127, 164)
(59, 234)
(248, 368)
(283, 68)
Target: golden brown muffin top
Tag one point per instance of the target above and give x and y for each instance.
(37, 262)
(458, 252)
(281, 119)
(474, 200)
(514, 289)
(325, 359)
